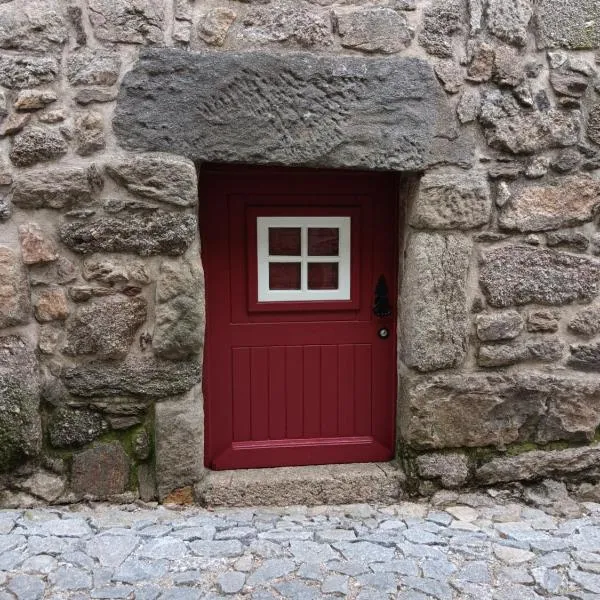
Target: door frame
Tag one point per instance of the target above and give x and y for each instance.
(396, 185)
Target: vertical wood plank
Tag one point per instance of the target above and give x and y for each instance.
(363, 386)
(277, 393)
(259, 389)
(241, 395)
(312, 391)
(346, 389)
(329, 391)
(294, 391)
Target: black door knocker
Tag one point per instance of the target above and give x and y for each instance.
(381, 306)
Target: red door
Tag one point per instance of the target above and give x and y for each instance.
(298, 368)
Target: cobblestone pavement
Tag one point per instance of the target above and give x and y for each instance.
(482, 545)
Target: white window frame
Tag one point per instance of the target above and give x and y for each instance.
(303, 294)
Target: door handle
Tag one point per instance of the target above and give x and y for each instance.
(382, 306)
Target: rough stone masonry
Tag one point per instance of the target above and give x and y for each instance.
(491, 109)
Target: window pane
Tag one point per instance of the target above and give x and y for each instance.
(284, 276)
(284, 241)
(322, 276)
(323, 241)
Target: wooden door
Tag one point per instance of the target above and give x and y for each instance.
(298, 369)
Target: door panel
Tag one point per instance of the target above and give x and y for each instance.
(295, 372)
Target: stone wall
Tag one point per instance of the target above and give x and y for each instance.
(108, 106)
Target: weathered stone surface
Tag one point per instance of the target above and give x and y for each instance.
(468, 105)
(29, 100)
(519, 131)
(63, 187)
(433, 305)
(564, 24)
(441, 21)
(15, 308)
(145, 377)
(27, 71)
(576, 241)
(293, 110)
(37, 25)
(89, 95)
(585, 357)
(505, 325)
(543, 320)
(160, 233)
(93, 67)
(569, 83)
(568, 201)
(111, 271)
(74, 427)
(452, 470)
(520, 275)
(36, 247)
(450, 75)
(61, 271)
(160, 177)
(453, 411)
(51, 305)
(106, 327)
(179, 330)
(380, 30)
(502, 355)
(5, 208)
(509, 19)
(119, 21)
(539, 464)
(451, 200)
(44, 485)
(214, 25)
(37, 144)
(586, 322)
(15, 123)
(101, 471)
(89, 133)
(20, 427)
(482, 62)
(287, 23)
(508, 66)
(179, 442)
(593, 126)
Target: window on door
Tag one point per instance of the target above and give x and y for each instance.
(303, 258)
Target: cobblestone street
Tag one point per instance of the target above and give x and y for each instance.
(479, 545)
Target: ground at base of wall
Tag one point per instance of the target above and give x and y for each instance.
(534, 543)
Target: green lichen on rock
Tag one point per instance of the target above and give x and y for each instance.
(20, 428)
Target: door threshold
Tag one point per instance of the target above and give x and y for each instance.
(382, 483)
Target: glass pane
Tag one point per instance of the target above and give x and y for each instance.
(284, 241)
(323, 241)
(284, 276)
(322, 276)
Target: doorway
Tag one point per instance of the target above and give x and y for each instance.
(301, 301)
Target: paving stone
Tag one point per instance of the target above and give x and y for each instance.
(167, 548)
(385, 583)
(432, 587)
(26, 587)
(232, 582)
(364, 551)
(135, 570)
(116, 591)
(297, 590)
(512, 556)
(348, 567)
(111, 550)
(70, 579)
(312, 552)
(271, 569)
(216, 548)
